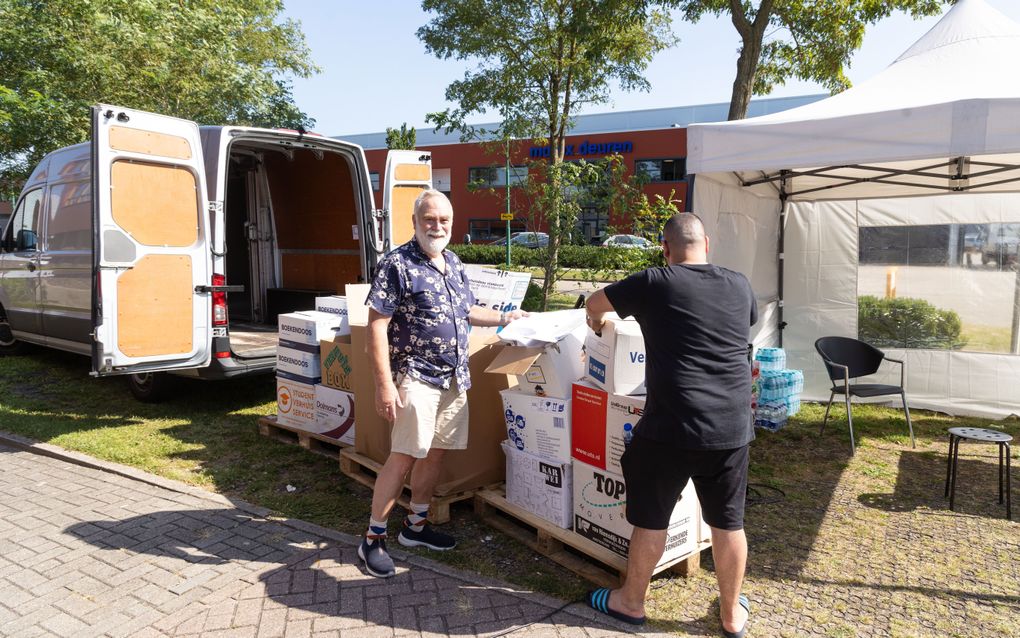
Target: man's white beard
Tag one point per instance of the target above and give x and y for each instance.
(433, 245)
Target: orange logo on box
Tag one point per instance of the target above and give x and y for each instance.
(283, 399)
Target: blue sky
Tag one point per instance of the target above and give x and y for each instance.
(376, 73)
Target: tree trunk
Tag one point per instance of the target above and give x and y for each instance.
(752, 32)
(743, 85)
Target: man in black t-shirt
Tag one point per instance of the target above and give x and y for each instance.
(696, 320)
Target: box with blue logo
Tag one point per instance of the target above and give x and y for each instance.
(615, 359)
(537, 425)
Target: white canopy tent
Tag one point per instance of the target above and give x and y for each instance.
(932, 140)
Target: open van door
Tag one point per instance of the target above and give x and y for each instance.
(408, 173)
(152, 267)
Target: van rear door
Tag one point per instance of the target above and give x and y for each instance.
(408, 173)
(151, 292)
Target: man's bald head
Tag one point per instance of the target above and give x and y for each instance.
(685, 234)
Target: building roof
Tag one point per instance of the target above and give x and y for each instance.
(614, 122)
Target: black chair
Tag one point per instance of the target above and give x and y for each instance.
(847, 359)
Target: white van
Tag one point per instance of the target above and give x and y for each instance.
(162, 247)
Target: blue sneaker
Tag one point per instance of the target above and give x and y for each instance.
(377, 560)
(427, 537)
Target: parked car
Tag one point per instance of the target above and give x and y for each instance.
(163, 294)
(629, 241)
(526, 239)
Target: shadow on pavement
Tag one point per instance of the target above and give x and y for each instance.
(304, 571)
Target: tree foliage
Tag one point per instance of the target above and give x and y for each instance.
(537, 63)
(811, 40)
(212, 61)
(402, 138)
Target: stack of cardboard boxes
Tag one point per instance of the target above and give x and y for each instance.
(310, 396)
(606, 406)
(538, 421)
(568, 422)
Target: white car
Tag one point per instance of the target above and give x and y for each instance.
(629, 241)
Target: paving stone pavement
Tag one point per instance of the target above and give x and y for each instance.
(89, 548)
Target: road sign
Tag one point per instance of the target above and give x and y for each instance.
(506, 216)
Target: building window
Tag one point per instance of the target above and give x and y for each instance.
(662, 170)
(489, 230)
(374, 177)
(495, 176)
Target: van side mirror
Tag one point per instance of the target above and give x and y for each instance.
(26, 240)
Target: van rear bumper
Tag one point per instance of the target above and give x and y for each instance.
(231, 368)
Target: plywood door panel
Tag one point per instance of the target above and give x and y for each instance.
(155, 307)
(156, 204)
(412, 172)
(403, 210)
(149, 143)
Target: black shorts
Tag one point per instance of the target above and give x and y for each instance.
(657, 472)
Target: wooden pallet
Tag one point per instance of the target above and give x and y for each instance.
(317, 443)
(585, 558)
(364, 470)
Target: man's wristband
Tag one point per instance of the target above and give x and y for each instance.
(502, 318)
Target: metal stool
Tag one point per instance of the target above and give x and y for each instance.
(985, 436)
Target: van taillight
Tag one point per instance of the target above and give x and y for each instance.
(219, 302)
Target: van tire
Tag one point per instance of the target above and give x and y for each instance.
(8, 344)
(151, 387)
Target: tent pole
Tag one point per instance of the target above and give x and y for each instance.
(783, 194)
(1014, 340)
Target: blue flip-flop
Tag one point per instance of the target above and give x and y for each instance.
(746, 604)
(598, 599)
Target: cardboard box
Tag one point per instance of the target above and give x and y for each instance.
(497, 289)
(334, 414)
(616, 359)
(600, 500)
(603, 425)
(547, 371)
(538, 425)
(297, 365)
(357, 309)
(308, 327)
(336, 364)
(540, 486)
(482, 463)
(295, 403)
(337, 306)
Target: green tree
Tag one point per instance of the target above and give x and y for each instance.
(538, 63)
(810, 40)
(212, 61)
(402, 138)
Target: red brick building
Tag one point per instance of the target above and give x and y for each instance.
(653, 142)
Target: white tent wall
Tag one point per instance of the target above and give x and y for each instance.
(931, 140)
(743, 228)
(821, 284)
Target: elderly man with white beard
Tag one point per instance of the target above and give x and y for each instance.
(420, 306)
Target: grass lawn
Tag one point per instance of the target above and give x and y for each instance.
(839, 545)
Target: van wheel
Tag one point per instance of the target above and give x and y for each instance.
(151, 387)
(8, 344)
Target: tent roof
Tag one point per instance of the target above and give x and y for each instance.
(941, 118)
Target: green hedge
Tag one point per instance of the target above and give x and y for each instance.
(907, 323)
(583, 257)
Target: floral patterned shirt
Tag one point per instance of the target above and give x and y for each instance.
(428, 331)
